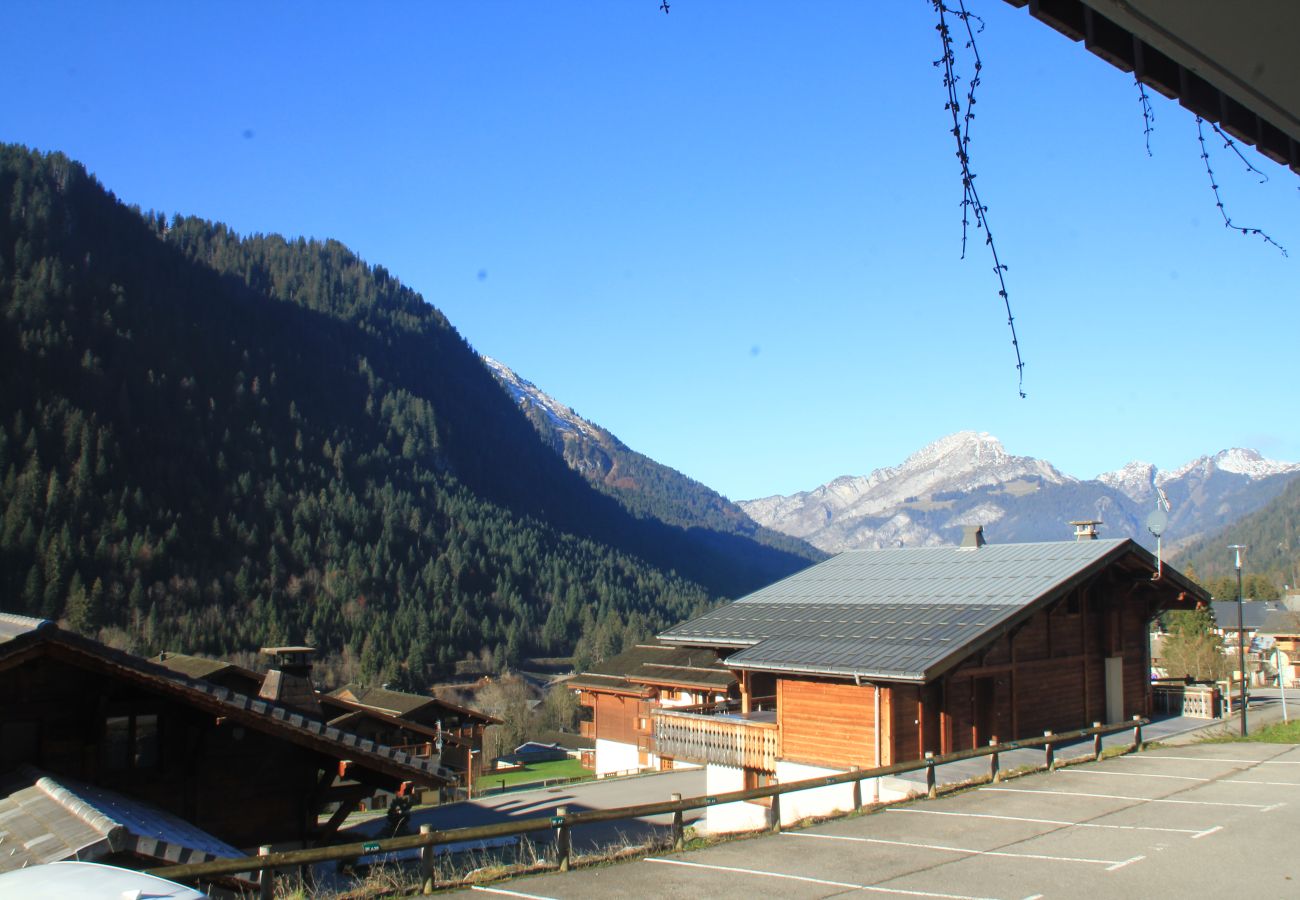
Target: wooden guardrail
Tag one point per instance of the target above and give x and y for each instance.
(267, 862)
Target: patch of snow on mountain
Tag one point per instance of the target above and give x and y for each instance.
(1236, 460)
(526, 393)
(1135, 480)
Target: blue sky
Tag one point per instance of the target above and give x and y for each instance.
(731, 234)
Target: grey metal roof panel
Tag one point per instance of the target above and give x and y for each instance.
(893, 612)
(1253, 612)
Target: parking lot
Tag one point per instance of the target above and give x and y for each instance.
(1195, 820)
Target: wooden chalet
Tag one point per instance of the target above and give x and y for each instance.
(242, 769)
(623, 692)
(878, 656)
(416, 722)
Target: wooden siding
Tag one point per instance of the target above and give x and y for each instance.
(616, 718)
(826, 722)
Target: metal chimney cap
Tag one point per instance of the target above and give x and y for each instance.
(972, 537)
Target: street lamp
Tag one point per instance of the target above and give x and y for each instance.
(1281, 677)
(1241, 636)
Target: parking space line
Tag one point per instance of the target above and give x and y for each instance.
(1079, 771)
(1110, 864)
(1269, 783)
(1259, 806)
(1207, 831)
(495, 890)
(936, 812)
(1253, 762)
(843, 884)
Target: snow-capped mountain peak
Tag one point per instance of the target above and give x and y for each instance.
(1236, 460)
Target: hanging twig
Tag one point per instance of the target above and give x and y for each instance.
(664, 6)
(1230, 144)
(961, 135)
(1214, 185)
(1148, 114)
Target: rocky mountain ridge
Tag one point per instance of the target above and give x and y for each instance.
(969, 478)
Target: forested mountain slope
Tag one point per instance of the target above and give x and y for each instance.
(212, 442)
(1272, 559)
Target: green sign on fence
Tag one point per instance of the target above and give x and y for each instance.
(370, 847)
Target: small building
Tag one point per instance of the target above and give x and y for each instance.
(457, 729)
(81, 716)
(623, 692)
(878, 656)
(1282, 627)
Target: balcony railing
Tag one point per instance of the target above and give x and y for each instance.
(731, 740)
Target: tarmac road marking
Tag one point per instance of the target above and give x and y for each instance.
(1269, 783)
(935, 812)
(1260, 806)
(1135, 774)
(505, 893)
(1207, 831)
(1253, 762)
(841, 884)
(1110, 864)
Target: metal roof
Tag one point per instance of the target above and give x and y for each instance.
(900, 614)
(45, 818)
(1253, 613)
(12, 625)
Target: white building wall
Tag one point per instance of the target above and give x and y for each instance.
(615, 757)
(730, 817)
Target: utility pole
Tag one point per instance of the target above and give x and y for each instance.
(1241, 636)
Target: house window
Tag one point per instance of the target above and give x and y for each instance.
(131, 742)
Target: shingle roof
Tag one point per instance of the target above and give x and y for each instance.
(654, 663)
(1281, 621)
(901, 614)
(251, 712)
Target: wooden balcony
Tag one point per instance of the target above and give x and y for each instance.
(731, 740)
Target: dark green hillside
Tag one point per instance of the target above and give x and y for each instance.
(1272, 536)
(214, 442)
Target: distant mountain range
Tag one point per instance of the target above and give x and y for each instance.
(969, 478)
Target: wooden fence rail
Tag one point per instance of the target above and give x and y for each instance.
(563, 821)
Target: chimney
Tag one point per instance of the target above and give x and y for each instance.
(288, 680)
(1086, 529)
(972, 537)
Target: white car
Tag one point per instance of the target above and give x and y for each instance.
(91, 881)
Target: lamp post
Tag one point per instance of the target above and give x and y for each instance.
(1241, 636)
(1281, 678)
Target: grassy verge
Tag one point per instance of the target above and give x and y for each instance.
(560, 768)
(1277, 733)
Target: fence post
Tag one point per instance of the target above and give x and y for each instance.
(562, 837)
(774, 814)
(679, 835)
(1049, 750)
(426, 863)
(857, 792)
(931, 789)
(266, 878)
(1137, 733)
(1096, 743)
(995, 772)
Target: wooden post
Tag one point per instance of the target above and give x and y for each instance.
(679, 835)
(1049, 750)
(857, 792)
(1096, 743)
(562, 845)
(1137, 733)
(266, 879)
(931, 789)
(426, 863)
(995, 773)
(774, 814)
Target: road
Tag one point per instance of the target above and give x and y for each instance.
(602, 794)
(1192, 820)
